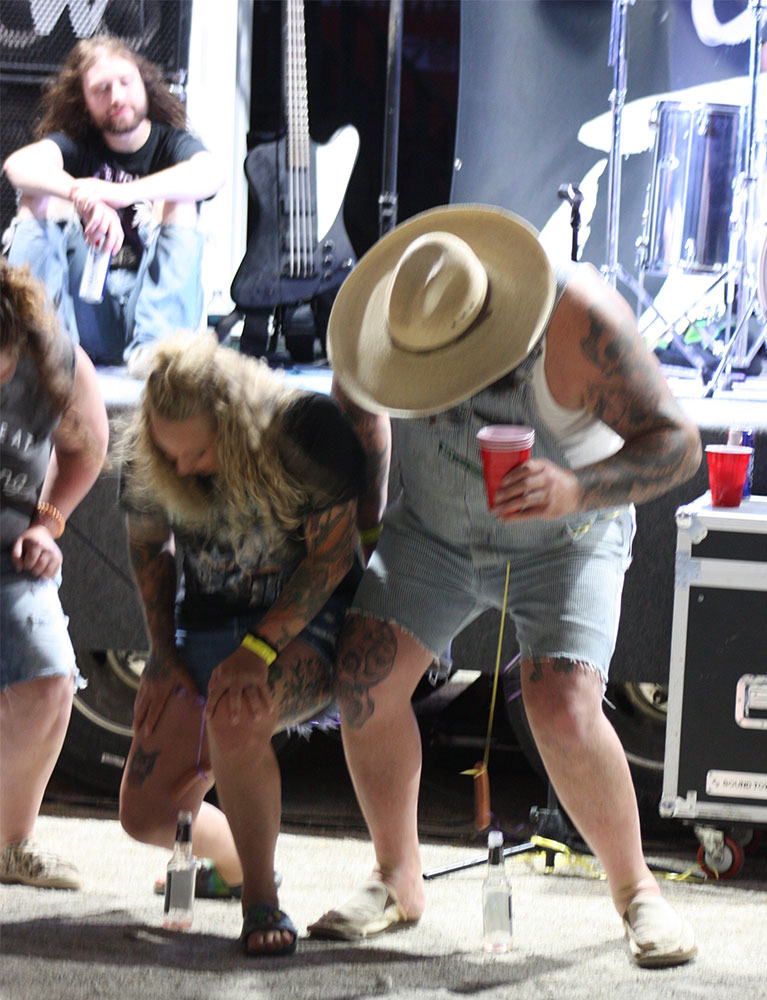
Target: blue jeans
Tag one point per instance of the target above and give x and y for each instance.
(160, 298)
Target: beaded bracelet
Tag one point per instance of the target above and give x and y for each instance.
(261, 648)
(369, 535)
(52, 511)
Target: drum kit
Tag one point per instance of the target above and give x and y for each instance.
(706, 207)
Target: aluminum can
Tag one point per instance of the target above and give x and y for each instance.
(94, 275)
(744, 436)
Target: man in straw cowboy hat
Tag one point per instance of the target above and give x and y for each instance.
(453, 321)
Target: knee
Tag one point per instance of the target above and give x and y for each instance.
(249, 737)
(143, 817)
(563, 717)
(133, 817)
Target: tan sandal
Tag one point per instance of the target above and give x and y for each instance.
(657, 935)
(372, 909)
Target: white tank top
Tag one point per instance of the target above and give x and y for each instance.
(583, 438)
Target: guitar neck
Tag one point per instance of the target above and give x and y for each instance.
(300, 206)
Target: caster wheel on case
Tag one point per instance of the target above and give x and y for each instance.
(730, 864)
(754, 842)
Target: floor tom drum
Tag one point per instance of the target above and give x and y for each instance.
(697, 156)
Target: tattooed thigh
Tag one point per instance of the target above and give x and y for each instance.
(141, 766)
(301, 681)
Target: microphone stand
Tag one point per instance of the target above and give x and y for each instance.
(736, 353)
(388, 198)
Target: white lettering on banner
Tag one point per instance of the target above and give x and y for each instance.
(736, 784)
(84, 15)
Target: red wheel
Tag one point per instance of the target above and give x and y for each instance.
(729, 866)
(754, 842)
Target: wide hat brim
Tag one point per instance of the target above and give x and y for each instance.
(383, 377)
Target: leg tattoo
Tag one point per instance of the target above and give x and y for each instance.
(367, 650)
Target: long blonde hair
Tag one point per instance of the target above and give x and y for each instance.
(243, 400)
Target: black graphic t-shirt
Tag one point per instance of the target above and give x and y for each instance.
(165, 147)
(224, 575)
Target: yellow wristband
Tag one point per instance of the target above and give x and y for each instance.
(52, 511)
(260, 648)
(369, 535)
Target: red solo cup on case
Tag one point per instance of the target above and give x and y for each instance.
(727, 465)
(502, 447)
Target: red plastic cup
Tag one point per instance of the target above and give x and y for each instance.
(727, 465)
(502, 447)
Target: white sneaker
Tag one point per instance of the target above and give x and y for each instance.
(24, 863)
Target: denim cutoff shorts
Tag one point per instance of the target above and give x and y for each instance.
(565, 584)
(34, 641)
(203, 649)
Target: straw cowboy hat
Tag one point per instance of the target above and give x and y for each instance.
(442, 306)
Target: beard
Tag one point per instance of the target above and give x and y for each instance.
(123, 123)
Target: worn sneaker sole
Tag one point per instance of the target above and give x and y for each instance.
(51, 882)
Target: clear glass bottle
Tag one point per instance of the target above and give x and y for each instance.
(179, 878)
(496, 898)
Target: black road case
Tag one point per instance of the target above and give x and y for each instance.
(715, 766)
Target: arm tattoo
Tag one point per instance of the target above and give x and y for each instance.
(366, 653)
(628, 394)
(374, 432)
(330, 544)
(154, 568)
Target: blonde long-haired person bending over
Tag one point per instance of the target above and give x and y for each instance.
(258, 486)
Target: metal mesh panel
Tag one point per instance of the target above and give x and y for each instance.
(19, 102)
(36, 35)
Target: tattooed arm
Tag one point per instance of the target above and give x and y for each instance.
(597, 360)
(330, 554)
(152, 555)
(374, 431)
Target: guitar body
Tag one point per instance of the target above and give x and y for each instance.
(269, 275)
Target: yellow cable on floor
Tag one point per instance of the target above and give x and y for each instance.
(589, 865)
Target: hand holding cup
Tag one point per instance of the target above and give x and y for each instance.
(502, 447)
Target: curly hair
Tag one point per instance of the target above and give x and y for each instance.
(243, 401)
(63, 108)
(29, 326)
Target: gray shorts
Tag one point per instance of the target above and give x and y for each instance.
(564, 596)
(34, 641)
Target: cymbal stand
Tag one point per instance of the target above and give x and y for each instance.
(613, 270)
(736, 352)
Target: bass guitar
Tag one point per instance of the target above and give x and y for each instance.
(299, 248)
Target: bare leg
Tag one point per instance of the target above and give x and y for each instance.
(378, 668)
(33, 723)
(248, 775)
(159, 780)
(588, 769)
